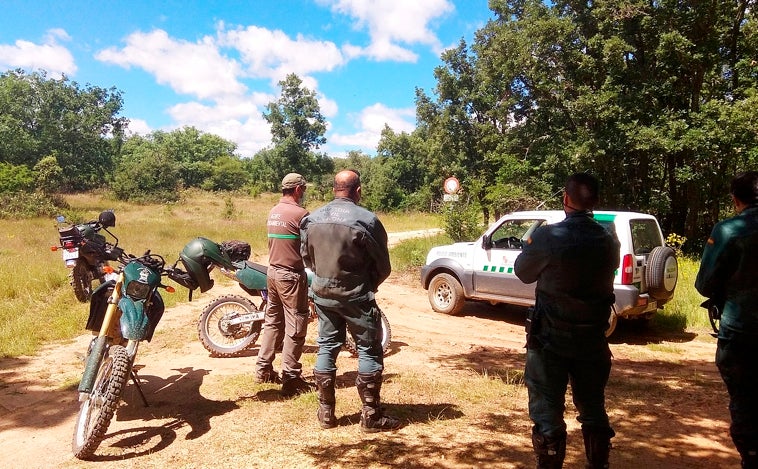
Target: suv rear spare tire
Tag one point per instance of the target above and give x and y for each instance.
(661, 273)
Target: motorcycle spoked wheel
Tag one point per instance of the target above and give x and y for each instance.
(96, 413)
(386, 337)
(81, 279)
(221, 338)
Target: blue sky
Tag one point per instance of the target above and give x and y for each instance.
(215, 65)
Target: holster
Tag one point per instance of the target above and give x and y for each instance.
(532, 327)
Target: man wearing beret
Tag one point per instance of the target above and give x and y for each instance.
(286, 319)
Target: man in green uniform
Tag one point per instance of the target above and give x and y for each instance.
(729, 276)
(573, 263)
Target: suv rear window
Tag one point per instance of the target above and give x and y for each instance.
(645, 236)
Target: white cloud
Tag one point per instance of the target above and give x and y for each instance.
(274, 55)
(239, 121)
(49, 56)
(370, 123)
(138, 127)
(391, 22)
(189, 68)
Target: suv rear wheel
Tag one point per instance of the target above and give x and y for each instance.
(661, 273)
(446, 294)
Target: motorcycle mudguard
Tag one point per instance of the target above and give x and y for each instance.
(136, 323)
(251, 275)
(98, 304)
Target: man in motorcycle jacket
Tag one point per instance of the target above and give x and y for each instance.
(573, 263)
(729, 275)
(346, 247)
(286, 319)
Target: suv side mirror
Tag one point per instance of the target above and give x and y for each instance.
(487, 241)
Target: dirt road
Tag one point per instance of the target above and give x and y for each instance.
(666, 401)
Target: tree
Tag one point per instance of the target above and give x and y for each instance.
(297, 130)
(656, 99)
(41, 116)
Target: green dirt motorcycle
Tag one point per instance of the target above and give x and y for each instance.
(231, 324)
(123, 313)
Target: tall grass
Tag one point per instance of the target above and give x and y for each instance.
(684, 309)
(37, 303)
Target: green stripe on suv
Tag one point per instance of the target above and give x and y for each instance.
(497, 268)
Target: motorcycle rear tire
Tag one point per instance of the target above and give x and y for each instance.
(217, 336)
(386, 332)
(81, 279)
(96, 413)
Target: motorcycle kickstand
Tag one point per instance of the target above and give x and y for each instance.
(135, 380)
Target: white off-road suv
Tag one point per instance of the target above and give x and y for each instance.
(483, 270)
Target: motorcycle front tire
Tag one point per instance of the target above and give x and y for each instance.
(96, 412)
(221, 338)
(81, 279)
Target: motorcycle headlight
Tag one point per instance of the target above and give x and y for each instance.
(137, 290)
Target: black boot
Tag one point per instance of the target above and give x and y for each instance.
(372, 415)
(326, 400)
(597, 446)
(550, 451)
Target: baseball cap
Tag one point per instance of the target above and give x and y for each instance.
(292, 180)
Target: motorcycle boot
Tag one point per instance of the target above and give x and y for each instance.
(325, 381)
(597, 447)
(550, 451)
(268, 376)
(373, 418)
(295, 385)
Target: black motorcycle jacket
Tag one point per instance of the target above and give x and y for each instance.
(345, 246)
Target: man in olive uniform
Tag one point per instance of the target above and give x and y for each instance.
(573, 263)
(286, 319)
(729, 276)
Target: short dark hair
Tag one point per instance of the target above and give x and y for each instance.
(583, 188)
(744, 187)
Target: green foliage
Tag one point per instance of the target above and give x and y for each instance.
(411, 254)
(48, 175)
(684, 309)
(659, 102)
(80, 125)
(15, 178)
(297, 130)
(19, 205)
(461, 221)
(227, 174)
(149, 178)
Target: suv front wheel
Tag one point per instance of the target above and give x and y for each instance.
(446, 294)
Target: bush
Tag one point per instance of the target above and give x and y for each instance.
(26, 205)
(461, 221)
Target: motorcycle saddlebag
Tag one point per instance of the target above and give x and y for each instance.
(236, 250)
